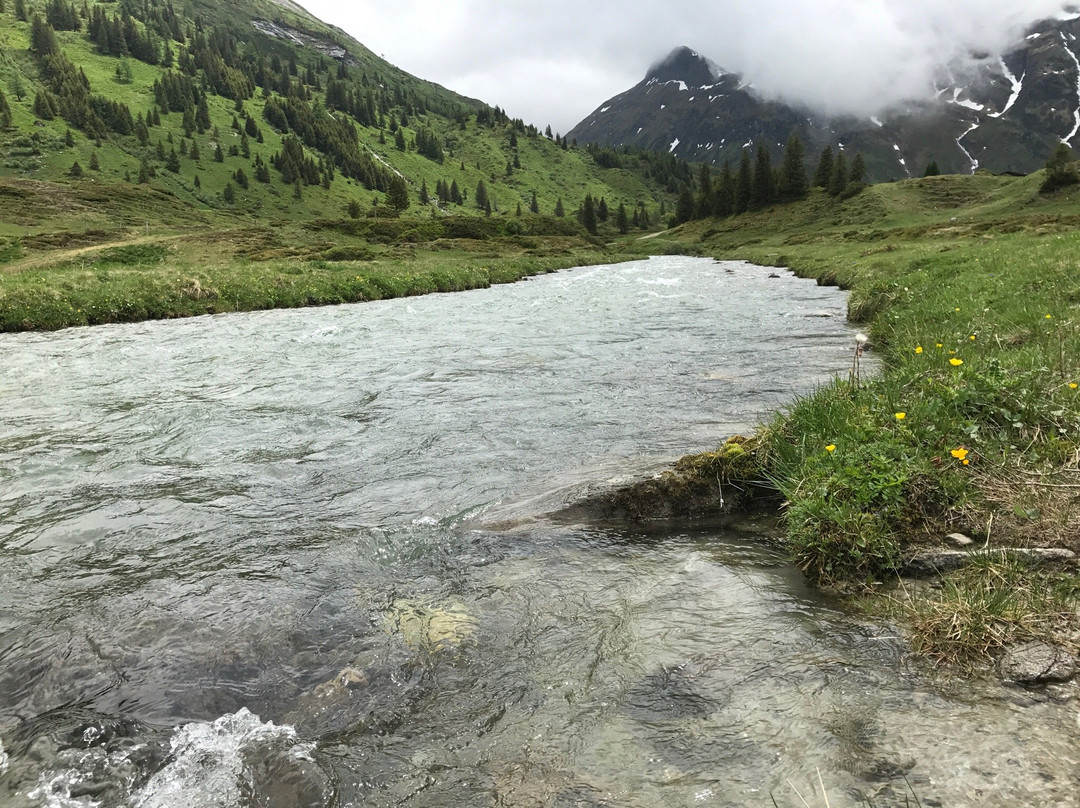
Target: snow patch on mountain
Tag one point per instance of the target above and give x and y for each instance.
(674, 145)
(1067, 140)
(1017, 86)
(967, 154)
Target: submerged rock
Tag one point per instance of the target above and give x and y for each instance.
(1036, 663)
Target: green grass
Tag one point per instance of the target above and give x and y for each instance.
(969, 290)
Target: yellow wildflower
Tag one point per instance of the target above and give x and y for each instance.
(900, 416)
(960, 453)
(831, 447)
(956, 362)
(972, 337)
(918, 349)
(940, 345)
(1049, 317)
(1072, 385)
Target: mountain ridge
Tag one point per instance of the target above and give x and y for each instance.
(1006, 118)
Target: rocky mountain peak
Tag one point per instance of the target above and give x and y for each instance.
(687, 66)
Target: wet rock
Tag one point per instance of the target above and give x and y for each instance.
(1036, 663)
(936, 562)
(959, 540)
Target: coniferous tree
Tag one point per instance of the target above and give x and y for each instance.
(932, 169)
(5, 112)
(724, 194)
(684, 207)
(703, 199)
(172, 161)
(620, 219)
(793, 182)
(823, 173)
(534, 206)
(839, 179)
(518, 212)
(76, 170)
(857, 174)
(424, 198)
(193, 152)
(20, 10)
(588, 214)
(144, 172)
(455, 193)
(95, 164)
(763, 191)
(1059, 169)
(219, 155)
(229, 194)
(352, 209)
(240, 178)
(481, 195)
(602, 210)
(560, 211)
(399, 140)
(744, 181)
(397, 194)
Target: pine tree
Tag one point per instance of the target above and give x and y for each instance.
(424, 198)
(229, 194)
(858, 170)
(518, 213)
(172, 162)
(744, 181)
(95, 164)
(397, 194)
(793, 183)
(5, 112)
(588, 214)
(481, 196)
(399, 140)
(1059, 169)
(602, 212)
(144, 172)
(560, 211)
(20, 10)
(839, 179)
(703, 199)
(219, 155)
(69, 139)
(352, 210)
(455, 193)
(763, 191)
(297, 189)
(240, 178)
(193, 152)
(684, 207)
(724, 195)
(620, 219)
(932, 169)
(76, 170)
(823, 173)
(534, 206)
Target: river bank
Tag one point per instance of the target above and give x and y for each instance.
(973, 425)
(97, 277)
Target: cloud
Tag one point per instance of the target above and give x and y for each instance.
(555, 61)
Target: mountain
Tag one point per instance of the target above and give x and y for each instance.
(1006, 119)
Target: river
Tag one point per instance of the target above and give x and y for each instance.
(250, 560)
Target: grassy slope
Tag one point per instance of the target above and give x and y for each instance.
(980, 271)
(55, 230)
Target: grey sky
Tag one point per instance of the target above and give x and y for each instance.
(553, 62)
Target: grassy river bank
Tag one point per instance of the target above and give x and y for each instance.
(968, 289)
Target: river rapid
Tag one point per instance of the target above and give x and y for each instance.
(251, 560)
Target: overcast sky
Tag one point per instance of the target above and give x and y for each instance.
(555, 61)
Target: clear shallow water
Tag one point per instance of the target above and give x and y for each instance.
(244, 561)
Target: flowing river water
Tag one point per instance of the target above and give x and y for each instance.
(251, 560)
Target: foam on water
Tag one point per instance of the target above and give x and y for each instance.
(210, 765)
(209, 761)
